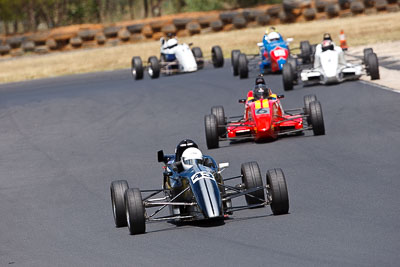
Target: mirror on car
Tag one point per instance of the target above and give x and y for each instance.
(281, 96)
(190, 44)
(289, 40)
(242, 100)
(223, 165)
(160, 156)
(260, 44)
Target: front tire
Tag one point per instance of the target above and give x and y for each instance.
(135, 211)
(317, 119)
(373, 66)
(235, 62)
(243, 66)
(137, 68)
(251, 177)
(219, 113)
(277, 190)
(366, 52)
(118, 189)
(307, 100)
(305, 49)
(211, 127)
(154, 67)
(288, 77)
(217, 57)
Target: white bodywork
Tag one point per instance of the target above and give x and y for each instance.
(184, 56)
(330, 67)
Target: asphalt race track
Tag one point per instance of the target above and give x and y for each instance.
(63, 141)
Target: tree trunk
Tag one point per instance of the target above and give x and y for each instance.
(146, 8)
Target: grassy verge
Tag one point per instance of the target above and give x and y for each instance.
(359, 30)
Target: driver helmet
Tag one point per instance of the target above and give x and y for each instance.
(327, 36)
(172, 43)
(182, 146)
(327, 45)
(270, 29)
(261, 91)
(260, 80)
(273, 36)
(191, 156)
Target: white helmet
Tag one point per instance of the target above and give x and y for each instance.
(190, 157)
(273, 36)
(172, 43)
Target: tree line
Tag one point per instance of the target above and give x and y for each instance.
(28, 15)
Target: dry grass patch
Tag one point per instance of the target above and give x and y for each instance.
(359, 30)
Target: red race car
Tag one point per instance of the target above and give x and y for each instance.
(264, 119)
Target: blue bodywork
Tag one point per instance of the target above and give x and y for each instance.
(268, 46)
(203, 186)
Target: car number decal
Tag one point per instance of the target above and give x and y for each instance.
(279, 53)
(201, 175)
(261, 111)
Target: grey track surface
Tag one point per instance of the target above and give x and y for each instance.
(63, 141)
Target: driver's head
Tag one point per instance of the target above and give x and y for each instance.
(327, 45)
(260, 80)
(191, 156)
(261, 91)
(182, 146)
(273, 36)
(170, 35)
(327, 36)
(270, 29)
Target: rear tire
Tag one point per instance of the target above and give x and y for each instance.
(219, 113)
(118, 189)
(235, 62)
(366, 52)
(305, 49)
(154, 67)
(373, 66)
(211, 127)
(277, 189)
(317, 119)
(135, 211)
(307, 100)
(198, 55)
(251, 177)
(137, 68)
(243, 66)
(288, 77)
(217, 57)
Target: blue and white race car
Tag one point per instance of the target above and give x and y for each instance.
(273, 51)
(193, 189)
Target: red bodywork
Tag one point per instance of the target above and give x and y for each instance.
(277, 54)
(263, 119)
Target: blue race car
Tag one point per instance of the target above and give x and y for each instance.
(274, 53)
(193, 189)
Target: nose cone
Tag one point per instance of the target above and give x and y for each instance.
(208, 198)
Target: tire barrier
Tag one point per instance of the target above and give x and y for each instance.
(309, 13)
(135, 28)
(357, 7)
(90, 36)
(333, 10)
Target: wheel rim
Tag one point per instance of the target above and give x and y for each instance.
(134, 72)
(151, 72)
(128, 219)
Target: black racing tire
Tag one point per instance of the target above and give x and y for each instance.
(243, 67)
(251, 178)
(305, 51)
(211, 127)
(118, 189)
(219, 113)
(154, 67)
(217, 56)
(373, 66)
(293, 62)
(198, 55)
(366, 52)
(287, 77)
(235, 62)
(277, 190)
(307, 100)
(134, 209)
(137, 68)
(317, 118)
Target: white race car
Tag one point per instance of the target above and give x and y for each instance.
(328, 66)
(175, 58)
